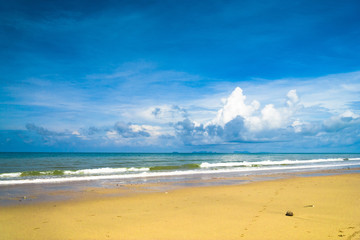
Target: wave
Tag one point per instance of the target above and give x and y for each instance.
(269, 162)
(106, 170)
(247, 170)
(10, 175)
(99, 171)
(175, 167)
(184, 168)
(96, 171)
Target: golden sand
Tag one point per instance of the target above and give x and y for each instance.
(326, 207)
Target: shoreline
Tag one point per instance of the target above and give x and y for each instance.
(123, 167)
(34, 193)
(324, 207)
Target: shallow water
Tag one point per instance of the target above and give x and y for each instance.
(25, 168)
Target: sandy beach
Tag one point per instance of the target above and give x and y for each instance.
(324, 207)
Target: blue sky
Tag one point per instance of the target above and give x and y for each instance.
(163, 76)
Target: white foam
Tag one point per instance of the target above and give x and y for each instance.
(95, 171)
(167, 174)
(10, 175)
(269, 162)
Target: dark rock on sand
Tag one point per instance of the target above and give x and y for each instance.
(289, 213)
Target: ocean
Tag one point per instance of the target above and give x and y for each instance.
(25, 168)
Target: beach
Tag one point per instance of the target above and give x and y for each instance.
(180, 120)
(324, 207)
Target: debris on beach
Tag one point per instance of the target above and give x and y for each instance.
(289, 213)
(310, 205)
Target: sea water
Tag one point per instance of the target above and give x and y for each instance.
(23, 168)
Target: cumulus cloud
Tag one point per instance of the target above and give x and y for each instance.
(254, 118)
(235, 106)
(244, 122)
(293, 98)
(130, 131)
(238, 121)
(345, 120)
(189, 131)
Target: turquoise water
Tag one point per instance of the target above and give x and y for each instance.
(20, 168)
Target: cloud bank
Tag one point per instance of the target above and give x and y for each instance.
(242, 122)
(238, 125)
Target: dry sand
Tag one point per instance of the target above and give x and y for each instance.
(326, 207)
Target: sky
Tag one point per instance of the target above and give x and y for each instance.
(180, 76)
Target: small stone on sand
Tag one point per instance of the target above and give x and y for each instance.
(289, 213)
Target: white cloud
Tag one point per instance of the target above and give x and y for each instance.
(322, 115)
(342, 121)
(271, 117)
(293, 98)
(235, 106)
(332, 93)
(297, 125)
(349, 114)
(75, 133)
(112, 134)
(152, 130)
(255, 119)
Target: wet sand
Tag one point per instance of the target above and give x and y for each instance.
(324, 207)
